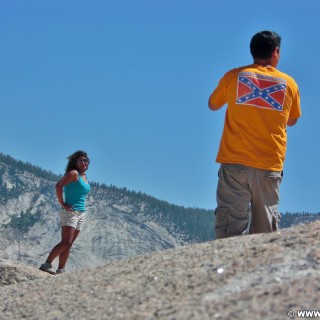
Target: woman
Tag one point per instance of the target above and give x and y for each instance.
(75, 186)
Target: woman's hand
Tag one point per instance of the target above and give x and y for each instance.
(67, 207)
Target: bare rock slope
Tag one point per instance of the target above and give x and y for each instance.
(249, 277)
(11, 273)
(119, 223)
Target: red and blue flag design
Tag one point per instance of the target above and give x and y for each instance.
(261, 91)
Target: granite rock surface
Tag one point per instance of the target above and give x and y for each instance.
(249, 277)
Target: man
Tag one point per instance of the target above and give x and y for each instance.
(262, 102)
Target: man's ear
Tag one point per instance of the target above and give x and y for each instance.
(275, 51)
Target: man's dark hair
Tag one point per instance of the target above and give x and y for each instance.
(263, 44)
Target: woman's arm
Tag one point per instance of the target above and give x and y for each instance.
(66, 179)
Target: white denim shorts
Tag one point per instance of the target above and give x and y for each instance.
(74, 219)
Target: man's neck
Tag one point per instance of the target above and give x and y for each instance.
(264, 62)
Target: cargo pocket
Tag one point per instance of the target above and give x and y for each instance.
(274, 176)
(238, 224)
(221, 222)
(276, 216)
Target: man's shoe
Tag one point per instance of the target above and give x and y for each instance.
(47, 267)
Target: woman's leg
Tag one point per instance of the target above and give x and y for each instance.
(64, 255)
(67, 238)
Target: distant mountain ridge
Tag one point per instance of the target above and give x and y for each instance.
(120, 223)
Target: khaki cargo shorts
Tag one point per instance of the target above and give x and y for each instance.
(247, 201)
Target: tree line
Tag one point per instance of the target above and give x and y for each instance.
(197, 223)
(26, 166)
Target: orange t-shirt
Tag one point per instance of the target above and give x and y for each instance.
(260, 102)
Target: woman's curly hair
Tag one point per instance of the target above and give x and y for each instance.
(72, 163)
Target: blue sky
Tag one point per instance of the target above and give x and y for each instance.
(128, 81)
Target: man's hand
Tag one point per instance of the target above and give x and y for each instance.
(291, 122)
(212, 106)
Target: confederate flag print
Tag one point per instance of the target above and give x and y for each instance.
(261, 91)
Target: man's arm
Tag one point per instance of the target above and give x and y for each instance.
(218, 97)
(212, 106)
(291, 122)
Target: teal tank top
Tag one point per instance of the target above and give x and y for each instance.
(75, 194)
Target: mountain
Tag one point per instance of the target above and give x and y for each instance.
(289, 219)
(266, 276)
(119, 223)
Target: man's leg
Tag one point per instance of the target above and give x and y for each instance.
(233, 200)
(265, 201)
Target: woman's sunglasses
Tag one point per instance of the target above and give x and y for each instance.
(86, 161)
